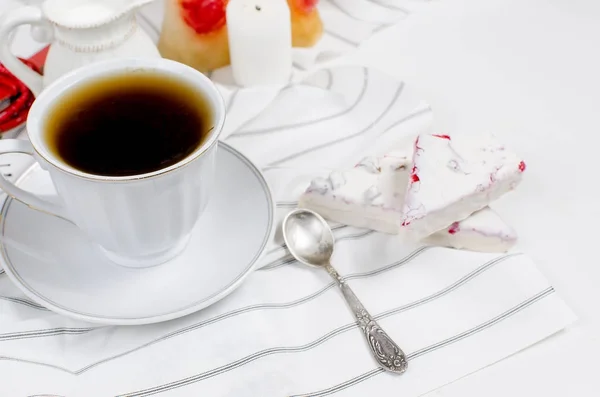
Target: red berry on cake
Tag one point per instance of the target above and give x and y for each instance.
(204, 16)
(305, 6)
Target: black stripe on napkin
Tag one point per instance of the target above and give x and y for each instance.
(436, 346)
(296, 349)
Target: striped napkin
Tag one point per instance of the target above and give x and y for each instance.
(286, 331)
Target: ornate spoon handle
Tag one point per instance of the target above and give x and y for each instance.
(387, 353)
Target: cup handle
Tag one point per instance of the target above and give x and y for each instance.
(29, 199)
(21, 16)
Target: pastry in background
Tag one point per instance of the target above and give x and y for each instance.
(194, 33)
(307, 26)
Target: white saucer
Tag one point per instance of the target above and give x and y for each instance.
(55, 264)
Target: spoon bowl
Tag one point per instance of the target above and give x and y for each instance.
(308, 237)
(310, 240)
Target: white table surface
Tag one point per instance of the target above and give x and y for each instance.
(528, 71)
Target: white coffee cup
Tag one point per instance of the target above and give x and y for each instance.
(137, 221)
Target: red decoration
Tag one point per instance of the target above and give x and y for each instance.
(454, 228)
(18, 95)
(306, 6)
(204, 16)
(39, 58)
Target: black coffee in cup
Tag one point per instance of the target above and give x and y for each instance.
(128, 124)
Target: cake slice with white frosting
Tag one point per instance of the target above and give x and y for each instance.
(371, 196)
(452, 177)
(482, 231)
(367, 196)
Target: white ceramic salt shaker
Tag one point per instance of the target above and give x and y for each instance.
(260, 41)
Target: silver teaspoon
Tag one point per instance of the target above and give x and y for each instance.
(310, 240)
